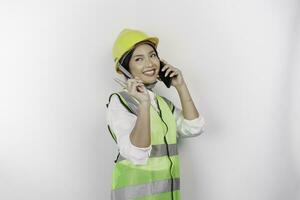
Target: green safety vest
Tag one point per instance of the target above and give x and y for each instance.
(159, 179)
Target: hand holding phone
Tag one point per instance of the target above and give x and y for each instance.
(166, 79)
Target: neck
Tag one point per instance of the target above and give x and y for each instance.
(149, 86)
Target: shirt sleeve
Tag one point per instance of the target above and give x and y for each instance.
(121, 122)
(188, 128)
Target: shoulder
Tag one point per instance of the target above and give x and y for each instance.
(115, 101)
(120, 101)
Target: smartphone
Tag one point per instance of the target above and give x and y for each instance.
(167, 80)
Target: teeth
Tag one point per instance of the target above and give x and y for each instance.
(149, 73)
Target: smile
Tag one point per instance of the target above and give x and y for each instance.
(150, 72)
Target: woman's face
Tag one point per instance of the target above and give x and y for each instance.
(144, 63)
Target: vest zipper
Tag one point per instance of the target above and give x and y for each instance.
(165, 140)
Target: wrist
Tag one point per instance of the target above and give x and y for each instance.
(145, 103)
(181, 86)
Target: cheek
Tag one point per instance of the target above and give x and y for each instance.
(155, 59)
(157, 62)
(136, 68)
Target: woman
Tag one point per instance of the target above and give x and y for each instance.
(145, 125)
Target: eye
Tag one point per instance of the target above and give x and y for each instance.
(138, 59)
(153, 55)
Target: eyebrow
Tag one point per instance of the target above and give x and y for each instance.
(143, 55)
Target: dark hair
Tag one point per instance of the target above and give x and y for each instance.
(125, 59)
(127, 56)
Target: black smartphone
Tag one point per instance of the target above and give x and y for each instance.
(167, 80)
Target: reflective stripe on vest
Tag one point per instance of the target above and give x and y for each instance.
(141, 190)
(159, 150)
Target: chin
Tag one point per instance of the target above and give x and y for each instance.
(149, 80)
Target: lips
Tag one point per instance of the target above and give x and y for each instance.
(149, 72)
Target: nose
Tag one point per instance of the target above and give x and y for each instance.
(149, 63)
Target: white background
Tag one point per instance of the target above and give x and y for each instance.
(240, 59)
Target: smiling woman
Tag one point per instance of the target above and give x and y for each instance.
(144, 62)
(145, 125)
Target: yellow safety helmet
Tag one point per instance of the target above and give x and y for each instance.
(126, 40)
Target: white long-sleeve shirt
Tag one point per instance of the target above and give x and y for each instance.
(121, 122)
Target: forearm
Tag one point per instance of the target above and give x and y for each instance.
(140, 135)
(189, 110)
